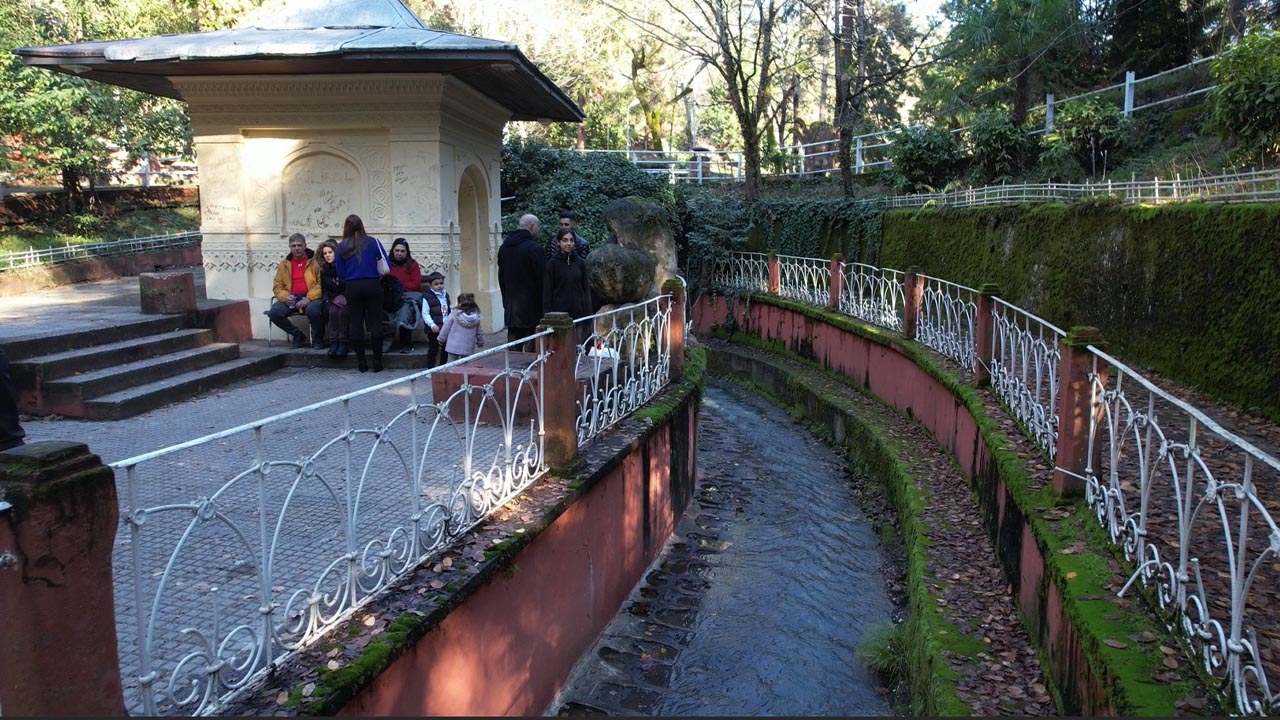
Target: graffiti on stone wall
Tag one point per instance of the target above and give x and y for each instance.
(320, 191)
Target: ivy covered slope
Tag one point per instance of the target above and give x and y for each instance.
(1192, 291)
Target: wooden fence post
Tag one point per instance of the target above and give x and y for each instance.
(912, 294)
(984, 332)
(560, 390)
(675, 326)
(837, 282)
(58, 649)
(1075, 404)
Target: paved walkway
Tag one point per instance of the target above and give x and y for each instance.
(355, 499)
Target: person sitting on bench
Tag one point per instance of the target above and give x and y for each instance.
(297, 290)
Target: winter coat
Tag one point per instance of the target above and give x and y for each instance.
(520, 268)
(567, 286)
(331, 286)
(408, 273)
(462, 332)
(284, 278)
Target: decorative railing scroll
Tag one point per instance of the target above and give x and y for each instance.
(1181, 497)
(624, 360)
(946, 320)
(806, 280)
(248, 544)
(743, 272)
(1024, 370)
(873, 295)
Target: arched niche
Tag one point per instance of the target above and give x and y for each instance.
(319, 189)
(476, 267)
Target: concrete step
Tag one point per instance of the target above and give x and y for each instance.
(141, 398)
(38, 345)
(59, 394)
(47, 368)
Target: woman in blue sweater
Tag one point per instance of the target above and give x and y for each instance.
(357, 263)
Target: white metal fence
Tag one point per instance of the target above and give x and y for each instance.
(623, 362)
(1190, 504)
(30, 258)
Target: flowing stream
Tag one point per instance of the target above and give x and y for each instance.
(758, 602)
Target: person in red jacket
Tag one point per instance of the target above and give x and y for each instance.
(408, 317)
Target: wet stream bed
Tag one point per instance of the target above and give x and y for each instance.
(758, 602)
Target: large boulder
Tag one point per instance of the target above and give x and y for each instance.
(620, 275)
(642, 225)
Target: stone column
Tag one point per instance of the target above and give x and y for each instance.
(1075, 404)
(560, 390)
(58, 652)
(912, 292)
(837, 282)
(675, 326)
(775, 274)
(984, 328)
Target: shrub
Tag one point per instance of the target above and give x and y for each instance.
(525, 164)
(1245, 107)
(924, 159)
(1098, 133)
(1057, 162)
(999, 147)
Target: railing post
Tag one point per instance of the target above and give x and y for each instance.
(1048, 112)
(675, 326)
(775, 274)
(857, 157)
(912, 295)
(1128, 92)
(560, 390)
(837, 282)
(1075, 405)
(984, 332)
(58, 519)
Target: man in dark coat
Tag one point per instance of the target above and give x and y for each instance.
(521, 263)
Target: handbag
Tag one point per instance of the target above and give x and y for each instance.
(384, 266)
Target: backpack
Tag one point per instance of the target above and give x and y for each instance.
(392, 294)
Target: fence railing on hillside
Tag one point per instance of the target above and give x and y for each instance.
(1191, 505)
(30, 258)
(241, 547)
(1250, 186)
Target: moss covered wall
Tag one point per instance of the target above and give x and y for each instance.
(1192, 291)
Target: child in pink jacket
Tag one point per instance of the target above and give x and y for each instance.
(462, 331)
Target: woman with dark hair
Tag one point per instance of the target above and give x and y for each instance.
(332, 291)
(566, 284)
(359, 257)
(407, 317)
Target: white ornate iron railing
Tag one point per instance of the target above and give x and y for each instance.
(49, 256)
(946, 321)
(804, 279)
(872, 295)
(1025, 353)
(743, 272)
(623, 362)
(245, 545)
(1180, 495)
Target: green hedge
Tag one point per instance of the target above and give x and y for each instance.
(1192, 291)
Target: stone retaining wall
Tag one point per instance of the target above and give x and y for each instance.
(21, 282)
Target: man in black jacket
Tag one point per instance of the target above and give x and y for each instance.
(521, 263)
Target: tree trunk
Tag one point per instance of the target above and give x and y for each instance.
(751, 166)
(844, 102)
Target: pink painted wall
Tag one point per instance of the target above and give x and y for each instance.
(898, 381)
(507, 648)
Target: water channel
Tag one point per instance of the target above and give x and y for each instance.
(759, 600)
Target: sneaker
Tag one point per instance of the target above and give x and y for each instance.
(406, 349)
(319, 344)
(297, 341)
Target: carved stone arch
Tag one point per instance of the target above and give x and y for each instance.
(320, 185)
(475, 264)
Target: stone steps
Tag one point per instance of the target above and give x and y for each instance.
(117, 371)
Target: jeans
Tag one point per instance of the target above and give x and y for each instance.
(280, 312)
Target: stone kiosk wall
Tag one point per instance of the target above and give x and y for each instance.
(415, 156)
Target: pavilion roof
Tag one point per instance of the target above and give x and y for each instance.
(318, 37)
